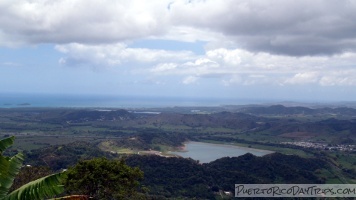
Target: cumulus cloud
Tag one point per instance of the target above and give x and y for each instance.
(80, 21)
(231, 57)
(338, 78)
(262, 68)
(304, 78)
(288, 27)
(116, 55)
(324, 78)
(278, 42)
(231, 66)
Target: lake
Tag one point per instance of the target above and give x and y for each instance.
(207, 152)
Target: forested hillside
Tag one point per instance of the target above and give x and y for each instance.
(172, 177)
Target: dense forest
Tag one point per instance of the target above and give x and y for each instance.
(178, 177)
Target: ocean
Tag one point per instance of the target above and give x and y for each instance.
(102, 101)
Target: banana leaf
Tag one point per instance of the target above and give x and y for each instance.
(5, 143)
(42, 188)
(9, 166)
(45, 187)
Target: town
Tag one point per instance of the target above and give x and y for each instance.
(323, 146)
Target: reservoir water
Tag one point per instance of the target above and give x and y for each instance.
(207, 152)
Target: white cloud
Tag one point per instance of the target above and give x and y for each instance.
(263, 68)
(228, 57)
(81, 21)
(162, 67)
(304, 78)
(325, 78)
(249, 42)
(116, 54)
(287, 27)
(231, 66)
(344, 78)
(189, 80)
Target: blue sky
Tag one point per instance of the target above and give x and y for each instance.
(237, 49)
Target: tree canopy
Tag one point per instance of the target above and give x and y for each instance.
(101, 178)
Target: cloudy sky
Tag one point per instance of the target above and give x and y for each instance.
(249, 49)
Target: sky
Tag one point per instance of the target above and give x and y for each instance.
(235, 49)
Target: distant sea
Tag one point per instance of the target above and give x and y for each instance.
(46, 100)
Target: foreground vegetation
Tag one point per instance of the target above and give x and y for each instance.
(43, 187)
(97, 178)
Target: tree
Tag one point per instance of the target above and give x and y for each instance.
(47, 186)
(101, 178)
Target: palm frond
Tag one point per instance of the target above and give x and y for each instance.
(5, 143)
(45, 187)
(9, 168)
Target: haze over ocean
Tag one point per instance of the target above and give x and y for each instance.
(55, 100)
